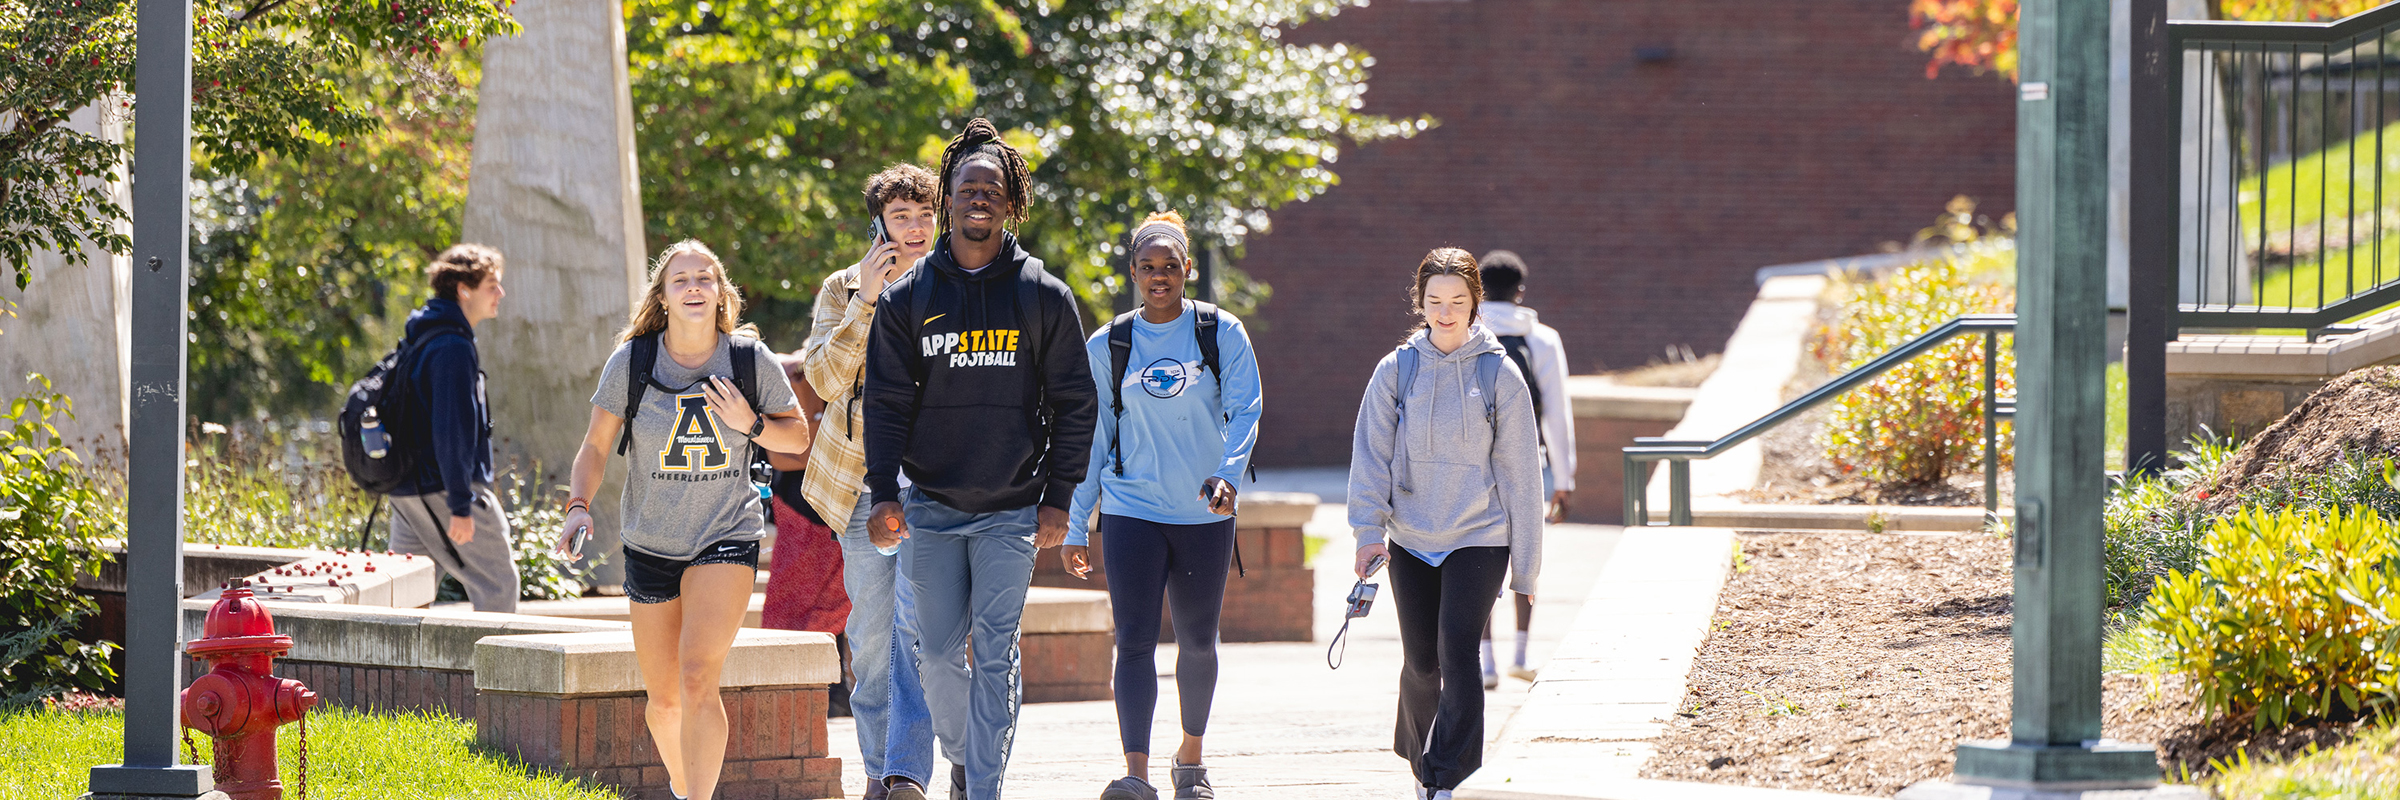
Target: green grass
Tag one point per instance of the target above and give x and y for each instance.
(2328, 187)
(2366, 768)
(2133, 649)
(2115, 459)
(47, 755)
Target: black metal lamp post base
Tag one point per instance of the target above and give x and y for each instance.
(180, 782)
(2092, 766)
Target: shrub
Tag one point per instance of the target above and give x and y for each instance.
(53, 517)
(1922, 421)
(2290, 616)
(281, 484)
(2152, 525)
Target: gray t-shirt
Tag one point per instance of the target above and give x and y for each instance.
(687, 480)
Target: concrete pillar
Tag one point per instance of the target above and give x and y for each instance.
(72, 325)
(554, 189)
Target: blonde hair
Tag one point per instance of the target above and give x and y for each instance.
(650, 313)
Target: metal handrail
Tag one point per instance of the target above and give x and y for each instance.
(2263, 40)
(1679, 453)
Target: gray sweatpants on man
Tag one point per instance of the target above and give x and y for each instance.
(487, 566)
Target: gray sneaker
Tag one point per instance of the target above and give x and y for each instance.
(1129, 788)
(903, 789)
(1191, 782)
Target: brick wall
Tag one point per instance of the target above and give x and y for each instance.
(1642, 195)
(1600, 466)
(776, 748)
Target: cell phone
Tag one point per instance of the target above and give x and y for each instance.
(1362, 599)
(880, 235)
(1376, 565)
(583, 533)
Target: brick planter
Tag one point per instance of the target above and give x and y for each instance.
(1272, 603)
(1067, 645)
(386, 659)
(573, 704)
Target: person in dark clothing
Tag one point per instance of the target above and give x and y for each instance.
(448, 512)
(976, 383)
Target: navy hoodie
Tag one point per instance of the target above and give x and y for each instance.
(988, 405)
(454, 450)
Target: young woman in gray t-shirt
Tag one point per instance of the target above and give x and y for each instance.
(692, 519)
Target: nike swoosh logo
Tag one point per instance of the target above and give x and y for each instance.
(929, 320)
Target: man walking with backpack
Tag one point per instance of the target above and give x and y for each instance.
(1542, 357)
(976, 384)
(446, 510)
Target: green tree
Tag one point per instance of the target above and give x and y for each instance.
(304, 265)
(759, 121)
(261, 83)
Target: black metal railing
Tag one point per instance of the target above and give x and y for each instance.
(2286, 220)
(1679, 454)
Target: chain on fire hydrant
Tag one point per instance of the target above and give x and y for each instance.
(239, 703)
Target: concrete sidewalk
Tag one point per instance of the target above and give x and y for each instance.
(1284, 725)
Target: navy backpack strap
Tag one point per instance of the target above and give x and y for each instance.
(1120, 356)
(637, 382)
(745, 370)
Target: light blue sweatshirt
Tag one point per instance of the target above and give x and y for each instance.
(1176, 432)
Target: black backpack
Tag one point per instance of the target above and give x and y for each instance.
(1521, 351)
(1120, 353)
(386, 390)
(644, 368)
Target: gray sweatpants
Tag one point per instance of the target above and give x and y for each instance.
(487, 566)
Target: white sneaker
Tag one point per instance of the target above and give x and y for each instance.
(1491, 680)
(1523, 673)
(1440, 794)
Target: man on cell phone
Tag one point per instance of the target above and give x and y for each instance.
(895, 728)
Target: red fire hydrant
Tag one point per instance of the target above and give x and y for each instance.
(239, 703)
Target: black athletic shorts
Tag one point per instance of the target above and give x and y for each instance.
(650, 579)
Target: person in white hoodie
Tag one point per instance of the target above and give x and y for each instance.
(1446, 465)
(1538, 351)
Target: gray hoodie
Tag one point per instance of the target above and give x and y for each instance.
(1445, 478)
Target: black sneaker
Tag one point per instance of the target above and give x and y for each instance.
(958, 782)
(1129, 788)
(1191, 782)
(903, 789)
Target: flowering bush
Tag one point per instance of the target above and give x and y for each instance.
(1922, 421)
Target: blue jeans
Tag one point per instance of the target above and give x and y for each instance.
(888, 704)
(971, 572)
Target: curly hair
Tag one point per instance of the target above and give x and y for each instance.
(462, 265)
(900, 182)
(982, 140)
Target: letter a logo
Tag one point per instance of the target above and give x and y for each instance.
(695, 436)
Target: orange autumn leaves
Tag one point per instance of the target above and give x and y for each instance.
(1982, 34)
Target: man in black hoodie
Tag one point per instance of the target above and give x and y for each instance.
(977, 385)
(447, 510)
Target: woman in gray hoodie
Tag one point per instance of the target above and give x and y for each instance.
(1445, 479)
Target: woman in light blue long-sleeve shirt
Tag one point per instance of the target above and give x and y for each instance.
(1165, 459)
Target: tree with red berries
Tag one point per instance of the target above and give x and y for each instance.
(261, 83)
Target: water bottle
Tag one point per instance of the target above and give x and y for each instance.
(371, 433)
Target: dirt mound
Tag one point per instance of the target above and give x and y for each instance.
(2356, 413)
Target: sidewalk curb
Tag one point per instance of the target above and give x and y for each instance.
(1779, 517)
(1640, 789)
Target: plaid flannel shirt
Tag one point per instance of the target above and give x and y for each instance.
(833, 358)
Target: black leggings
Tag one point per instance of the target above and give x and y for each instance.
(1184, 564)
(1442, 612)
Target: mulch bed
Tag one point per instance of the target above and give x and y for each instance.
(1796, 472)
(2356, 413)
(1856, 663)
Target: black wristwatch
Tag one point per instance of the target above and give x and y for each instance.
(758, 426)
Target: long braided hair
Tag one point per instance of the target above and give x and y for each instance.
(982, 140)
